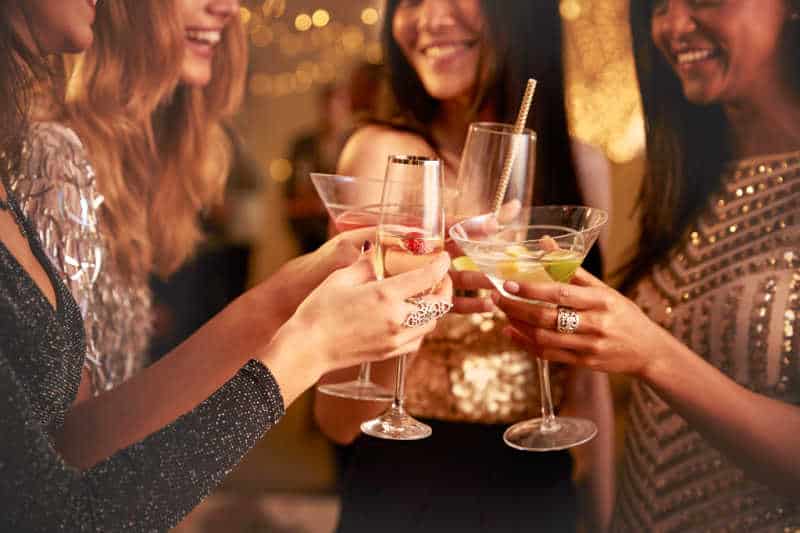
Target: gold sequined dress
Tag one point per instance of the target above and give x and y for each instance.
(731, 292)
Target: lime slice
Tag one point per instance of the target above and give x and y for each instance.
(517, 250)
(464, 263)
(563, 270)
(522, 272)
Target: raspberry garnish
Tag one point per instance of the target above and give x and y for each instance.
(414, 242)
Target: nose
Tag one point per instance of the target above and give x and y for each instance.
(223, 8)
(675, 21)
(436, 14)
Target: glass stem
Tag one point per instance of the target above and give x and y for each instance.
(549, 423)
(399, 384)
(363, 373)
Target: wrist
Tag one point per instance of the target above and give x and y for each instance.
(292, 359)
(660, 366)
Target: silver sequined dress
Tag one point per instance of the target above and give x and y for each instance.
(56, 188)
(731, 292)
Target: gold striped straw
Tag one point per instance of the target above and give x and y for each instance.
(519, 126)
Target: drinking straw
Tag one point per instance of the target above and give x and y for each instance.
(519, 126)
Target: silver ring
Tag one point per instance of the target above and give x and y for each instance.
(567, 320)
(426, 311)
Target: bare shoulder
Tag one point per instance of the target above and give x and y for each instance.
(368, 148)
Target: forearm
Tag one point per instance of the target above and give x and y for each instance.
(340, 419)
(761, 435)
(176, 384)
(590, 398)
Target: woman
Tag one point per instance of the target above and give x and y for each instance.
(709, 332)
(452, 62)
(225, 400)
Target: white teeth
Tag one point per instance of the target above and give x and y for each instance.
(695, 55)
(439, 51)
(211, 37)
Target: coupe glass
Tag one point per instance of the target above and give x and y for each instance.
(410, 235)
(539, 244)
(352, 203)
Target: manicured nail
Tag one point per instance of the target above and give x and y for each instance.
(512, 286)
(366, 246)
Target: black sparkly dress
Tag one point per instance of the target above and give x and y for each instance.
(148, 486)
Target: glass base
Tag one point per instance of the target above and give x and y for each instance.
(357, 390)
(566, 433)
(396, 424)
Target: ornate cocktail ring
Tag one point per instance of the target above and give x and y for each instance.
(426, 311)
(568, 320)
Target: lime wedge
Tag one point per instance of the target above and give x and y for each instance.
(522, 272)
(516, 250)
(562, 267)
(464, 263)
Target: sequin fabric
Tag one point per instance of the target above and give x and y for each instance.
(731, 292)
(148, 486)
(56, 188)
(468, 371)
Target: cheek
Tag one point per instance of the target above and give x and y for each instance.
(403, 32)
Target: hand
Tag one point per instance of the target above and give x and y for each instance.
(613, 335)
(468, 280)
(351, 318)
(296, 279)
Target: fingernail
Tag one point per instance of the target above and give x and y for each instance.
(512, 286)
(366, 246)
(495, 298)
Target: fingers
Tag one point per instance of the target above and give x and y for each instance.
(358, 273)
(470, 280)
(444, 291)
(546, 317)
(357, 236)
(509, 211)
(559, 356)
(560, 294)
(549, 339)
(420, 280)
(583, 278)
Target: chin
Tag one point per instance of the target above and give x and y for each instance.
(447, 91)
(196, 79)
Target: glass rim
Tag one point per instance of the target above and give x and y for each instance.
(594, 227)
(414, 160)
(500, 128)
(345, 176)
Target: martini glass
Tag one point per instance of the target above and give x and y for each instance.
(540, 244)
(352, 203)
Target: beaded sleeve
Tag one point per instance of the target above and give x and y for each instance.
(148, 486)
(56, 189)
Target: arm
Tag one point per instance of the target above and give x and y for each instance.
(760, 434)
(594, 180)
(178, 382)
(589, 396)
(149, 486)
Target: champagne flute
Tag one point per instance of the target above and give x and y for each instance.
(352, 203)
(541, 244)
(410, 235)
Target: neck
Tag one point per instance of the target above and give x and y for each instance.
(450, 126)
(766, 125)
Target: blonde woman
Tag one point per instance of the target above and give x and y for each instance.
(114, 189)
(227, 385)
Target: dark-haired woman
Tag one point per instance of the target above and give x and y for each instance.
(452, 62)
(711, 331)
(224, 396)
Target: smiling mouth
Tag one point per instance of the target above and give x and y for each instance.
(438, 51)
(204, 37)
(688, 58)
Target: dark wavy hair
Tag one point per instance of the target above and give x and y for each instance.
(687, 145)
(522, 40)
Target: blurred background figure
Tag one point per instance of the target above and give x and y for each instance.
(316, 151)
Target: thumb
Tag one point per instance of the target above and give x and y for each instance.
(422, 279)
(583, 278)
(358, 273)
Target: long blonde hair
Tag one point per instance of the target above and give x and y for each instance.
(157, 145)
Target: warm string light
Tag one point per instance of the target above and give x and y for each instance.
(322, 46)
(602, 93)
